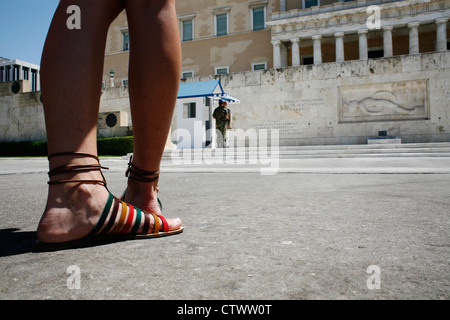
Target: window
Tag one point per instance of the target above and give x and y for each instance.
(187, 74)
(310, 3)
(126, 41)
(189, 110)
(371, 54)
(7, 72)
(188, 30)
(125, 82)
(222, 70)
(26, 73)
(259, 18)
(259, 66)
(34, 79)
(308, 60)
(221, 24)
(187, 26)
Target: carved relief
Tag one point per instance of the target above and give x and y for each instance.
(406, 100)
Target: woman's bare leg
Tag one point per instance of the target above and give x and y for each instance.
(71, 72)
(154, 75)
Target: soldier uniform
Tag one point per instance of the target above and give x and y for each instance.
(221, 115)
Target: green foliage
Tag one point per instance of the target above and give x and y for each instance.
(117, 146)
(23, 149)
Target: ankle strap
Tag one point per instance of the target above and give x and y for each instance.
(135, 173)
(74, 168)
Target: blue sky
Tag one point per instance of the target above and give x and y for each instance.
(24, 25)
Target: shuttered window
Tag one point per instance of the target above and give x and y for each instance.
(221, 24)
(259, 18)
(310, 3)
(188, 30)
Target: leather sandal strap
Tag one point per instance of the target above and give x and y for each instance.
(146, 223)
(103, 216)
(113, 217)
(129, 221)
(122, 219)
(136, 173)
(165, 224)
(73, 168)
(137, 222)
(156, 226)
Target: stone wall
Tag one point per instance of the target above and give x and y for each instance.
(22, 115)
(331, 103)
(348, 102)
(115, 103)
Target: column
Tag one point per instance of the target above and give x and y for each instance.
(38, 80)
(340, 57)
(276, 54)
(295, 52)
(387, 41)
(20, 72)
(15, 70)
(441, 34)
(317, 49)
(413, 37)
(33, 79)
(363, 54)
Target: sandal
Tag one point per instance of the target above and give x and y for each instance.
(134, 173)
(107, 229)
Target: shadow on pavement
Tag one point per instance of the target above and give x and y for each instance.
(14, 242)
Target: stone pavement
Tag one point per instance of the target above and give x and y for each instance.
(372, 228)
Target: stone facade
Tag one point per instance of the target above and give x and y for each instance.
(347, 102)
(241, 48)
(294, 32)
(330, 76)
(331, 103)
(115, 104)
(358, 30)
(22, 113)
(16, 70)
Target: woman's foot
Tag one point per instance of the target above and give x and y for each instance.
(72, 212)
(74, 208)
(142, 190)
(143, 195)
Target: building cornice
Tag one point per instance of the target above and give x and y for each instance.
(395, 13)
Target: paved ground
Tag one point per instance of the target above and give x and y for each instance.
(311, 231)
